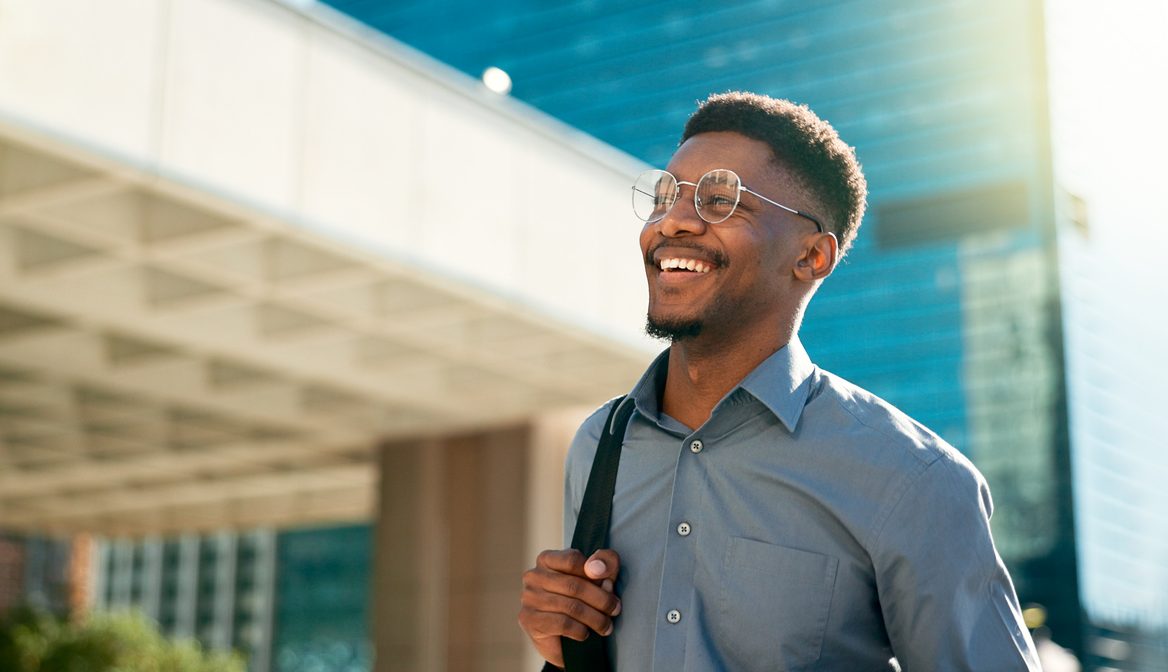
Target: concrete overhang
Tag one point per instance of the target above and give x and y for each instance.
(205, 323)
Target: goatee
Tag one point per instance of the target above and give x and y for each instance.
(672, 330)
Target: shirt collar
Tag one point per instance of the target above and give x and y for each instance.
(782, 383)
(646, 394)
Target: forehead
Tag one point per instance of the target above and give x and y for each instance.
(752, 159)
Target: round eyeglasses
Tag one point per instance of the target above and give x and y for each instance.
(716, 196)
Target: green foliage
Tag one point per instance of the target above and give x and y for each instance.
(32, 641)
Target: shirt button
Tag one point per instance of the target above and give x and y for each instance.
(696, 446)
(683, 529)
(674, 616)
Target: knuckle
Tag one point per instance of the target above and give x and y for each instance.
(573, 587)
(576, 609)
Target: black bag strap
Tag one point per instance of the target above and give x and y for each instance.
(591, 533)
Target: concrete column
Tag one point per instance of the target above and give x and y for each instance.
(186, 603)
(410, 574)
(460, 518)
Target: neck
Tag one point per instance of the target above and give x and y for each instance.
(704, 369)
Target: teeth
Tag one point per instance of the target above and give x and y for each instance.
(687, 264)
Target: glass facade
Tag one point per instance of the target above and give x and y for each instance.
(295, 601)
(216, 588)
(322, 605)
(950, 303)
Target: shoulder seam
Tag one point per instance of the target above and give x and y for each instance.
(934, 454)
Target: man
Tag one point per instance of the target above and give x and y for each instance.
(769, 515)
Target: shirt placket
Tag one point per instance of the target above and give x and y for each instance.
(675, 607)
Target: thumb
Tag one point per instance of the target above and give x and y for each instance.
(595, 568)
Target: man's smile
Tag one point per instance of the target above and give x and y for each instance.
(684, 264)
(673, 259)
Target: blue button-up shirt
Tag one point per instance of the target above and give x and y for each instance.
(807, 525)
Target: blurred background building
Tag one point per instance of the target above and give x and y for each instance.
(265, 267)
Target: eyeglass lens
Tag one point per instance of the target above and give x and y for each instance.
(655, 192)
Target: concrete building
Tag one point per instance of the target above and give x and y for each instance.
(261, 268)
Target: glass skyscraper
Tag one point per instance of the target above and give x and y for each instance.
(950, 303)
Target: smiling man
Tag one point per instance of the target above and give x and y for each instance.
(769, 515)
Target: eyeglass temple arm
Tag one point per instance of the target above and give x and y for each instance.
(818, 226)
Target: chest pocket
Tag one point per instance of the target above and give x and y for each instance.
(773, 607)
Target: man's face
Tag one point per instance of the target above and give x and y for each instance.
(743, 265)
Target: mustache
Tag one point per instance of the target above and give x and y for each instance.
(718, 257)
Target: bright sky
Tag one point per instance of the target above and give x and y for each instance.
(1109, 97)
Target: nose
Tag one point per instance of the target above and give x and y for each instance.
(682, 219)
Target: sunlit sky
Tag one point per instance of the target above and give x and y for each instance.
(1109, 104)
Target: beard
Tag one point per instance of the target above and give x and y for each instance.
(673, 330)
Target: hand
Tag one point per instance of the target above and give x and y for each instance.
(568, 595)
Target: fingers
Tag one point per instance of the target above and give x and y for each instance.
(568, 595)
(548, 617)
(568, 561)
(542, 588)
(573, 618)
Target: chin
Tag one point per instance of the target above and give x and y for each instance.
(672, 329)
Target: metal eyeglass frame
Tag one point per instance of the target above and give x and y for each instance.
(697, 207)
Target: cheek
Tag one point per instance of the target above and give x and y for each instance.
(778, 252)
(646, 238)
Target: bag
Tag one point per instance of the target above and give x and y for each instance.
(591, 533)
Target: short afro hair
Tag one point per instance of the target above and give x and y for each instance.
(802, 143)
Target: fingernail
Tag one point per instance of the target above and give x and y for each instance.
(609, 630)
(595, 567)
(606, 585)
(616, 612)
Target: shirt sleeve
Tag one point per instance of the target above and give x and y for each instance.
(570, 512)
(947, 599)
(578, 465)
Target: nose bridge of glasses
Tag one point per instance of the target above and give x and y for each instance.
(694, 202)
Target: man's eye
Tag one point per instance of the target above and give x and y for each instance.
(717, 201)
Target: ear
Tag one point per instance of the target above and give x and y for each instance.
(818, 258)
